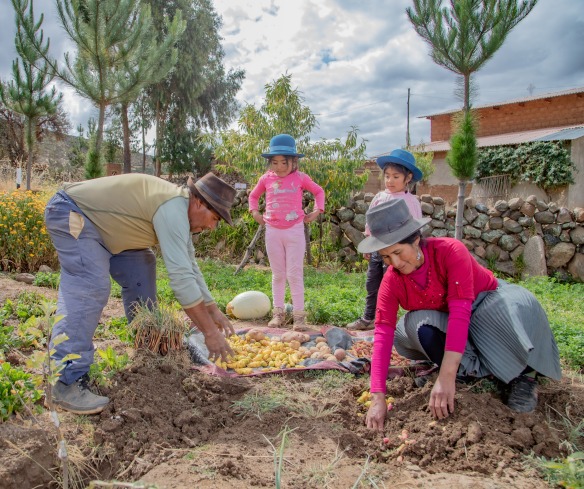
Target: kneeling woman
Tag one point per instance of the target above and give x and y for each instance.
(460, 316)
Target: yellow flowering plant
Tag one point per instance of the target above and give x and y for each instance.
(24, 242)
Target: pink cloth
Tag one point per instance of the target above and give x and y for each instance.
(284, 197)
(385, 196)
(454, 279)
(286, 249)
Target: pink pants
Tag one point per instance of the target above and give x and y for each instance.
(286, 249)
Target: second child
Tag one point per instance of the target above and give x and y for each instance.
(399, 171)
(284, 218)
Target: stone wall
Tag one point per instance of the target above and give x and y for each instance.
(515, 237)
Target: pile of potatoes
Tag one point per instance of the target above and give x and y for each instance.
(255, 350)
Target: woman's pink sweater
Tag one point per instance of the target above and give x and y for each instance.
(453, 278)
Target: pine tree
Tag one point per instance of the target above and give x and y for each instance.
(28, 93)
(117, 52)
(462, 39)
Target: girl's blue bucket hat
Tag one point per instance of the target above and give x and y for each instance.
(282, 144)
(403, 158)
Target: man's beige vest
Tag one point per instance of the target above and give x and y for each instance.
(122, 207)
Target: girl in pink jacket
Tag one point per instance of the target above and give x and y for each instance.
(284, 219)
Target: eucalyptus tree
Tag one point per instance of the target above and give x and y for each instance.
(118, 53)
(199, 94)
(462, 38)
(28, 93)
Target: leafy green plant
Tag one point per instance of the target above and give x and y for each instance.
(116, 327)
(567, 472)
(17, 389)
(545, 163)
(47, 279)
(107, 365)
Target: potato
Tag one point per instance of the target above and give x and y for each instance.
(295, 335)
(255, 334)
(332, 358)
(318, 355)
(295, 344)
(320, 339)
(340, 354)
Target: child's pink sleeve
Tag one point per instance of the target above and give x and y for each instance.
(255, 194)
(314, 189)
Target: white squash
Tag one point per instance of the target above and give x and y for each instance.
(249, 305)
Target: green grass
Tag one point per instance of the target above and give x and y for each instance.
(337, 298)
(563, 306)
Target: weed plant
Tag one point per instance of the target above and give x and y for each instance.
(24, 242)
(17, 389)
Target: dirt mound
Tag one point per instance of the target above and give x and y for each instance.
(176, 427)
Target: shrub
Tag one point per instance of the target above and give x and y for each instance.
(24, 242)
(17, 389)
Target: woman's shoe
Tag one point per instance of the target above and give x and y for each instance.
(523, 394)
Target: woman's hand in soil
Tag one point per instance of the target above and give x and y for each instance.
(376, 415)
(442, 396)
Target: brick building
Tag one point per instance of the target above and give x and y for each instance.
(557, 116)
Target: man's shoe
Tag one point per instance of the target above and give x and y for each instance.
(77, 398)
(523, 394)
(360, 325)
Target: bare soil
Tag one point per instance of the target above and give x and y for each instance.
(172, 426)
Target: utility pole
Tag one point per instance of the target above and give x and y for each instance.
(408, 123)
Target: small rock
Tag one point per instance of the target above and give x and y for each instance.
(27, 278)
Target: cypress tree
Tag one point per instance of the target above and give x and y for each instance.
(462, 38)
(28, 92)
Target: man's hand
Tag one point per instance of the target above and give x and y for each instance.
(203, 317)
(376, 414)
(217, 346)
(221, 320)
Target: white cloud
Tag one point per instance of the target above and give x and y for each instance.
(354, 61)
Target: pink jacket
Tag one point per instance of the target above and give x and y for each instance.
(284, 197)
(453, 275)
(410, 199)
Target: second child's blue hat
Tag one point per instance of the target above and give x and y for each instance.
(284, 145)
(403, 158)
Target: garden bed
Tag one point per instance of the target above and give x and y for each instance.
(172, 426)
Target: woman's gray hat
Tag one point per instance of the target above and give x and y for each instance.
(215, 192)
(389, 223)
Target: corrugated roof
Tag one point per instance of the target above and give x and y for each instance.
(571, 91)
(547, 134)
(564, 134)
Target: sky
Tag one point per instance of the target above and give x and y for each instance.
(354, 61)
